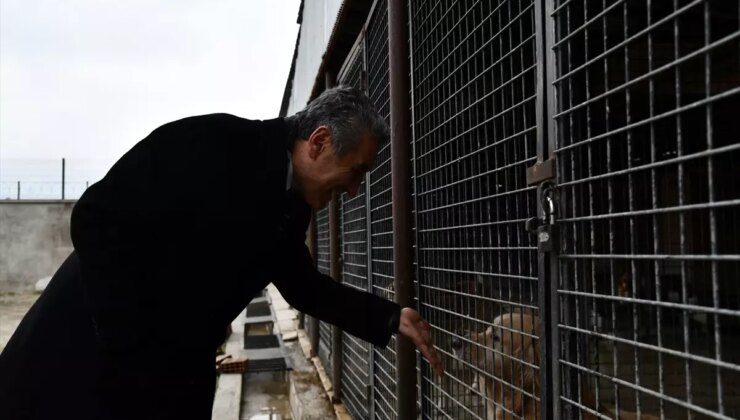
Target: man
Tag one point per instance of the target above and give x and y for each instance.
(170, 246)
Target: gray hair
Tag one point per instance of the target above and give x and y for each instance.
(348, 113)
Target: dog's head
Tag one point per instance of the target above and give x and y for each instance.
(509, 349)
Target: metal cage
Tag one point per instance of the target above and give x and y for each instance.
(379, 199)
(356, 359)
(474, 85)
(646, 141)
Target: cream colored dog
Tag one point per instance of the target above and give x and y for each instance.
(501, 350)
(509, 352)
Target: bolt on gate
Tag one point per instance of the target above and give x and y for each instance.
(575, 208)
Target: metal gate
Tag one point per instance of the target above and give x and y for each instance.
(474, 85)
(379, 201)
(356, 358)
(648, 210)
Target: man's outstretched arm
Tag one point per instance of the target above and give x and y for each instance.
(359, 313)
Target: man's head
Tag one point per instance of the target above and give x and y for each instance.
(337, 137)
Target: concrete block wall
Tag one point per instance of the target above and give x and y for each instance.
(34, 241)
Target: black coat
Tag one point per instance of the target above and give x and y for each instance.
(170, 246)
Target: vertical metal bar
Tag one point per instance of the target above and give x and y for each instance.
(547, 262)
(681, 219)
(313, 323)
(398, 62)
(64, 162)
(19, 190)
(543, 259)
(311, 243)
(423, 390)
(335, 268)
(712, 217)
(364, 84)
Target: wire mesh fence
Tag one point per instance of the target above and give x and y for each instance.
(323, 261)
(379, 200)
(650, 303)
(634, 100)
(356, 358)
(474, 119)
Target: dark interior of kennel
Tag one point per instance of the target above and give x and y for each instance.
(647, 144)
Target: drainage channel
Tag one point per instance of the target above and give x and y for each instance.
(265, 386)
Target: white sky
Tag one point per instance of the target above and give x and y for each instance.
(87, 79)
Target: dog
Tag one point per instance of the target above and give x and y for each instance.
(508, 351)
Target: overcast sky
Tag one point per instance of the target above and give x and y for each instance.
(86, 79)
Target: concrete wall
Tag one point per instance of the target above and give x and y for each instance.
(318, 20)
(34, 241)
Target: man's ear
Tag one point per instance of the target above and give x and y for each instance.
(318, 141)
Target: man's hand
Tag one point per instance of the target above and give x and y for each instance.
(413, 326)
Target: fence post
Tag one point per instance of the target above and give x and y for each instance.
(313, 323)
(335, 267)
(400, 122)
(19, 190)
(63, 176)
(544, 174)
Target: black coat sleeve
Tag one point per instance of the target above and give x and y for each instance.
(359, 313)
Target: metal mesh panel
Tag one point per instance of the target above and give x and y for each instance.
(323, 261)
(474, 82)
(381, 223)
(356, 353)
(647, 148)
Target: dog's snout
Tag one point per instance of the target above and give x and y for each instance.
(457, 343)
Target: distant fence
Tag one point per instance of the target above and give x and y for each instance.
(50, 181)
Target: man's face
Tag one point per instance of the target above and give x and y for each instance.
(323, 173)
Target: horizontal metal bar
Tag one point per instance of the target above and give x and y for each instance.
(645, 346)
(638, 79)
(662, 210)
(479, 175)
(475, 200)
(584, 408)
(507, 276)
(479, 297)
(576, 31)
(648, 391)
(661, 303)
(473, 225)
(663, 257)
(679, 159)
(482, 248)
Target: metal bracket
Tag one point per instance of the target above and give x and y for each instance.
(541, 171)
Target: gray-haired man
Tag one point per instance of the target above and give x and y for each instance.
(170, 246)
